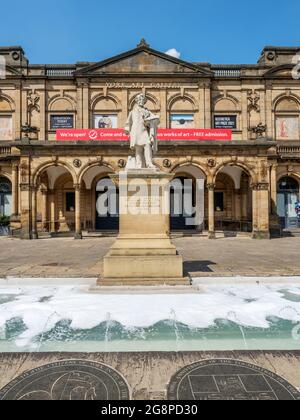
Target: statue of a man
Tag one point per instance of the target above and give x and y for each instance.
(142, 127)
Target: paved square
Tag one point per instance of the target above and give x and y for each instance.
(66, 257)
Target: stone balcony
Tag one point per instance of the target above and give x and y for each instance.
(289, 151)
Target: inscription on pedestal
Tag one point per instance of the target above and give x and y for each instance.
(229, 380)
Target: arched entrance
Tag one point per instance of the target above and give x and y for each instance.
(287, 197)
(107, 205)
(182, 200)
(5, 196)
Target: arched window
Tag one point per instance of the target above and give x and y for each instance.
(5, 197)
(6, 121)
(287, 119)
(226, 114)
(182, 113)
(105, 113)
(61, 115)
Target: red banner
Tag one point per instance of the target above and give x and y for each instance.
(114, 134)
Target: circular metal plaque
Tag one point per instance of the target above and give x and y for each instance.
(68, 380)
(228, 379)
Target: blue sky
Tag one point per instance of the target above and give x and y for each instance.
(217, 31)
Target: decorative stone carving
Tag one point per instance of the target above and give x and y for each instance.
(167, 163)
(259, 130)
(33, 100)
(211, 187)
(143, 43)
(211, 163)
(253, 99)
(121, 163)
(27, 129)
(77, 163)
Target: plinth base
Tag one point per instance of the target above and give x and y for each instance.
(183, 281)
(143, 253)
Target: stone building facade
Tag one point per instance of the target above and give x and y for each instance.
(250, 184)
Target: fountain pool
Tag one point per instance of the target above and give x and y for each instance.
(62, 317)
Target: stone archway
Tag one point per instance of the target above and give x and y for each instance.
(287, 199)
(187, 198)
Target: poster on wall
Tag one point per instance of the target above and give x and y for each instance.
(6, 132)
(105, 121)
(182, 121)
(287, 128)
(225, 121)
(61, 121)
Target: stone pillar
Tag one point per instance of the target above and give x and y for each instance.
(238, 204)
(79, 117)
(273, 180)
(15, 189)
(269, 108)
(42, 132)
(163, 110)
(26, 222)
(261, 212)
(124, 111)
(78, 232)
(18, 110)
(211, 211)
(34, 212)
(52, 211)
(44, 208)
(86, 105)
(207, 104)
(244, 115)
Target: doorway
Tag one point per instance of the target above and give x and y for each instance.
(287, 198)
(107, 206)
(5, 197)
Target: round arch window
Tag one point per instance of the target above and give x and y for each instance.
(288, 184)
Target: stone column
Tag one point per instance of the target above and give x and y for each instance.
(15, 189)
(268, 109)
(52, 211)
(78, 232)
(244, 116)
(261, 216)
(163, 110)
(207, 104)
(211, 211)
(42, 132)
(18, 110)
(34, 212)
(26, 222)
(44, 207)
(238, 204)
(273, 180)
(86, 105)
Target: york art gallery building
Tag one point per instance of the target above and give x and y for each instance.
(250, 183)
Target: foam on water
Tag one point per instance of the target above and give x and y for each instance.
(33, 312)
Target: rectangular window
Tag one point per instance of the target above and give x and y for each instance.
(70, 201)
(225, 121)
(61, 121)
(105, 121)
(219, 201)
(182, 121)
(287, 128)
(6, 129)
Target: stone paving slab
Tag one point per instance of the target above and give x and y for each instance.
(148, 374)
(66, 257)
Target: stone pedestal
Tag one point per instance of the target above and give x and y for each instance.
(143, 253)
